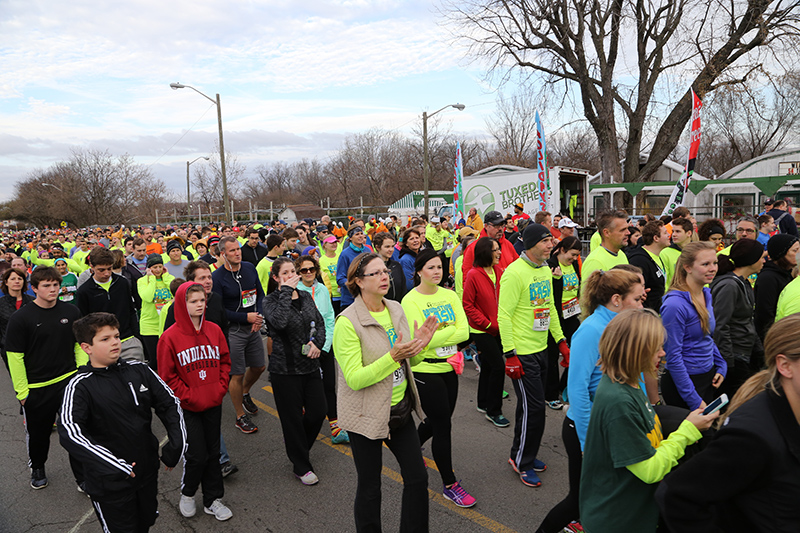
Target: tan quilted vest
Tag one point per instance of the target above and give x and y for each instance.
(366, 411)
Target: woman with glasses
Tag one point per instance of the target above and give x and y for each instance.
(435, 367)
(481, 289)
(309, 271)
(372, 342)
(298, 335)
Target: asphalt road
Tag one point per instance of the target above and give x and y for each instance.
(265, 496)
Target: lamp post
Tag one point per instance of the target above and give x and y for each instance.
(53, 186)
(179, 85)
(426, 165)
(188, 193)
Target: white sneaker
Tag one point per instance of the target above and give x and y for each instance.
(309, 478)
(219, 510)
(187, 506)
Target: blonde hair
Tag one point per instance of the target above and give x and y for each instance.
(687, 258)
(781, 339)
(629, 343)
(602, 285)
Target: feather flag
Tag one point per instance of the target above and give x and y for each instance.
(679, 192)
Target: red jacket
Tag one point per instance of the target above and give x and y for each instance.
(480, 299)
(508, 254)
(194, 364)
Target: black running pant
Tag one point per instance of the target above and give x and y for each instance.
(133, 512)
(529, 417)
(301, 405)
(567, 509)
(328, 363)
(437, 395)
(202, 455)
(368, 457)
(492, 375)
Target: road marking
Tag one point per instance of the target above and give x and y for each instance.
(469, 514)
(430, 463)
(77, 526)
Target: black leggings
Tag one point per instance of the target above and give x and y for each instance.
(438, 394)
(567, 509)
(702, 384)
(493, 373)
(328, 364)
(368, 457)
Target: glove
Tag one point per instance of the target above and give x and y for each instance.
(514, 367)
(564, 350)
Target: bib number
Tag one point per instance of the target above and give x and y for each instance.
(399, 376)
(571, 308)
(249, 298)
(446, 351)
(541, 319)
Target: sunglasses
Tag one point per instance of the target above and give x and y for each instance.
(307, 270)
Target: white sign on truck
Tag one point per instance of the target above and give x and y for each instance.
(500, 187)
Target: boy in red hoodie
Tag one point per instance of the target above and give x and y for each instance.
(193, 359)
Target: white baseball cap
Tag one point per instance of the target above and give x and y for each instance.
(567, 223)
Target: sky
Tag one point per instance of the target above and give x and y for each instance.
(294, 78)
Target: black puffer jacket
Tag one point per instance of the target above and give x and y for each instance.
(8, 307)
(769, 284)
(397, 281)
(289, 323)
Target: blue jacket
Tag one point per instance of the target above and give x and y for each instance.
(345, 258)
(230, 286)
(584, 372)
(323, 300)
(407, 259)
(690, 351)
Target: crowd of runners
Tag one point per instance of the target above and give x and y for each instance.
(674, 352)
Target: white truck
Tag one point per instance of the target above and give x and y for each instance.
(499, 187)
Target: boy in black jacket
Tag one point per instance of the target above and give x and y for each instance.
(106, 421)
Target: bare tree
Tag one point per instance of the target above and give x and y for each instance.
(273, 182)
(92, 187)
(580, 44)
(513, 128)
(207, 180)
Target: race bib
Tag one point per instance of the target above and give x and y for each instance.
(446, 351)
(571, 308)
(541, 319)
(249, 298)
(399, 376)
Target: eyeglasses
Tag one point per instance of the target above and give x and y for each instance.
(744, 230)
(307, 270)
(384, 272)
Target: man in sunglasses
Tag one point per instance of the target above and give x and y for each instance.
(493, 225)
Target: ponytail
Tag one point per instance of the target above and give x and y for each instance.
(602, 285)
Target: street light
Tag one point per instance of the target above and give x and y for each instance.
(177, 86)
(53, 186)
(188, 193)
(426, 165)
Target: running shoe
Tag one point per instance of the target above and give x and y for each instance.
(530, 478)
(498, 420)
(458, 495)
(309, 478)
(228, 468)
(513, 465)
(38, 478)
(249, 407)
(245, 424)
(574, 527)
(481, 409)
(187, 506)
(556, 405)
(219, 510)
(340, 438)
(539, 466)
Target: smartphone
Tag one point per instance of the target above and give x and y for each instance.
(716, 405)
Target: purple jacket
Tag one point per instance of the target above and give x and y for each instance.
(689, 350)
